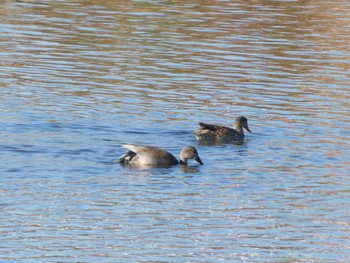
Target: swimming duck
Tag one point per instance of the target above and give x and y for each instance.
(149, 156)
(219, 133)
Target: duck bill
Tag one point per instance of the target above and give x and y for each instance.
(198, 160)
(247, 129)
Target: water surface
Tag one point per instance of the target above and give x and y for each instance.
(78, 78)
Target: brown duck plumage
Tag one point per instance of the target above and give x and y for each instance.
(219, 133)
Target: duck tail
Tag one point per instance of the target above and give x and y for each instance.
(126, 158)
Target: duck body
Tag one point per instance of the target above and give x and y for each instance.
(149, 156)
(219, 133)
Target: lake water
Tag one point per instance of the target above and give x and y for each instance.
(78, 78)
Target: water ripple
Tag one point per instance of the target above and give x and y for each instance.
(80, 77)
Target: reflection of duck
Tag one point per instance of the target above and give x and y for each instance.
(218, 133)
(149, 156)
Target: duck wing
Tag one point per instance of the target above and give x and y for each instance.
(212, 127)
(136, 148)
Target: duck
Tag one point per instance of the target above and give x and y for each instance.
(219, 133)
(149, 156)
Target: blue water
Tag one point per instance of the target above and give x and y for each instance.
(78, 78)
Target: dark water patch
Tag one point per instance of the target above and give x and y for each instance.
(25, 149)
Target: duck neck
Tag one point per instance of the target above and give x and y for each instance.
(183, 162)
(238, 127)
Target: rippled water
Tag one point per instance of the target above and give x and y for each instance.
(80, 77)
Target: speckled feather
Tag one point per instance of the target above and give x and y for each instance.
(219, 133)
